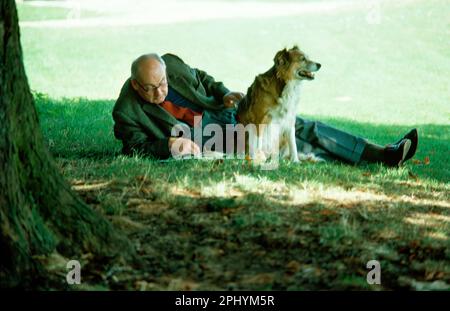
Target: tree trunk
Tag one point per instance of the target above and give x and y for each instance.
(39, 213)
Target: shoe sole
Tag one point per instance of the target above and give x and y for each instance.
(411, 135)
(405, 151)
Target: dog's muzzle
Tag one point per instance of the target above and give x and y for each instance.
(309, 74)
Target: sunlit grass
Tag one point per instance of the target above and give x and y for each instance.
(394, 72)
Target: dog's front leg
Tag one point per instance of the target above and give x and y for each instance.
(251, 142)
(256, 154)
(293, 145)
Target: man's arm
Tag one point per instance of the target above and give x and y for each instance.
(219, 91)
(212, 87)
(135, 140)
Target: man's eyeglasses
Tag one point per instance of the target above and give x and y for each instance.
(149, 88)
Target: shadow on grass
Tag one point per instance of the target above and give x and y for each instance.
(227, 225)
(269, 242)
(80, 128)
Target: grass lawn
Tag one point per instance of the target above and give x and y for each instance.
(32, 12)
(228, 225)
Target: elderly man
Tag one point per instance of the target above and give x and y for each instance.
(164, 91)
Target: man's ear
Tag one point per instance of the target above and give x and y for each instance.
(281, 57)
(134, 84)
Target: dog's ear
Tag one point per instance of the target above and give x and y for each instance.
(281, 58)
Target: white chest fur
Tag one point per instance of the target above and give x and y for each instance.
(282, 125)
(284, 114)
(283, 122)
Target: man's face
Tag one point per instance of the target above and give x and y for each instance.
(151, 82)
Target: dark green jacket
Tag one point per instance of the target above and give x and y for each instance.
(144, 128)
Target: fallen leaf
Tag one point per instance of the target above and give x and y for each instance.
(426, 161)
(260, 279)
(293, 267)
(417, 162)
(179, 284)
(412, 175)
(327, 212)
(126, 223)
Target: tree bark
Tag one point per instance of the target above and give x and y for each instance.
(39, 213)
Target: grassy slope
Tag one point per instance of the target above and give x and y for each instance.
(29, 12)
(398, 64)
(227, 225)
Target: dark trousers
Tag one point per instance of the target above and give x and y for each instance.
(327, 142)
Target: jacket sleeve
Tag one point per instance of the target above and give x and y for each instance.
(216, 89)
(135, 140)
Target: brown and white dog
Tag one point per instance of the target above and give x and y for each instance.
(272, 100)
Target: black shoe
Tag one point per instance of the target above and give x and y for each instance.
(414, 138)
(396, 154)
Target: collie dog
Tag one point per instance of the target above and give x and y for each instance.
(271, 103)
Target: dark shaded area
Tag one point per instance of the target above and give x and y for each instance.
(252, 242)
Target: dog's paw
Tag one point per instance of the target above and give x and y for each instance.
(309, 157)
(295, 159)
(258, 158)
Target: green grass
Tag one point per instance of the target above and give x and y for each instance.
(82, 128)
(370, 73)
(228, 225)
(28, 12)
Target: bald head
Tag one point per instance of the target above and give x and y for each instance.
(148, 78)
(145, 63)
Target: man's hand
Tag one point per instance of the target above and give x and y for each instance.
(231, 99)
(180, 146)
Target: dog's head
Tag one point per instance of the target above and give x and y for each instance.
(293, 64)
